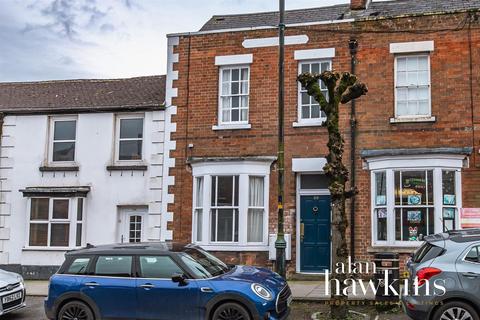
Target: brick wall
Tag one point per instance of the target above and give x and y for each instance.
(197, 105)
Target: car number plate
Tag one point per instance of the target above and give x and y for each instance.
(289, 300)
(12, 297)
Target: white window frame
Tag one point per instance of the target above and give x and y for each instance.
(72, 221)
(415, 164)
(52, 121)
(233, 207)
(233, 124)
(428, 116)
(301, 122)
(243, 170)
(118, 119)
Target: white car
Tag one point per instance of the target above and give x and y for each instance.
(12, 292)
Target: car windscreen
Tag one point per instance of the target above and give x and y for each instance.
(203, 264)
(427, 252)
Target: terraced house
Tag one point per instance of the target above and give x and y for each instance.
(81, 161)
(411, 143)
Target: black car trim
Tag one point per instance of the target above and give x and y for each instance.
(74, 296)
(232, 297)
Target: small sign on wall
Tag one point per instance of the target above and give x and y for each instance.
(470, 218)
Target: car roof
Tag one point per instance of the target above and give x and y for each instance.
(459, 236)
(132, 248)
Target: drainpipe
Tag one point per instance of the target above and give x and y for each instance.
(353, 45)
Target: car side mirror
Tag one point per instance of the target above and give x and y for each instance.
(180, 279)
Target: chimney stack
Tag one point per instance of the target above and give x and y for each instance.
(359, 4)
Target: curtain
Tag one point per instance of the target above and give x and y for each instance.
(255, 209)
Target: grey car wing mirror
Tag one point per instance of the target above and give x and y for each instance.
(180, 279)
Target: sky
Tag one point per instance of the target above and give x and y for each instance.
(72, 39)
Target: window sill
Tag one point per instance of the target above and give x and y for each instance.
(243, 126)
(128, 167)
(308, 124)
(59, 168)
(413, 119)
(394, 248)
(233, 247)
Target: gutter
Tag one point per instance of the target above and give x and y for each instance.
(353, 45)
(291, 25)
(76, 110)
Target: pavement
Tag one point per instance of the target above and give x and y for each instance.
(36, 287)
(316, 290)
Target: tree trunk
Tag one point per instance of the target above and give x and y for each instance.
(347, 90)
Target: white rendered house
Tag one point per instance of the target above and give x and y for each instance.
(81, 162)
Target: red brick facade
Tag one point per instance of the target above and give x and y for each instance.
(454, 67)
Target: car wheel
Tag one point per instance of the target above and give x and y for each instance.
(456, 310)
(231, 311)
(75, 310)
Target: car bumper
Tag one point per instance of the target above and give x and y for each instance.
(416, 310)
(16, 306)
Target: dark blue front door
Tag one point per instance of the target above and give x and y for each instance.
(314, 233)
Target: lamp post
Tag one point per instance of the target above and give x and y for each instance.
(280, 243)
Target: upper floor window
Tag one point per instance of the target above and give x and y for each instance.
(234, 94)
(308, 109)
(62, 139)
(129, 145)
(412, 86)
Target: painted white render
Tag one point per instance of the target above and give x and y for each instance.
(24, 150)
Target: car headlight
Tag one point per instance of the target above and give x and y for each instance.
(20, 279)
(261, 291)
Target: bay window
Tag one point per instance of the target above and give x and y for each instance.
(230, 205)
(413, 202)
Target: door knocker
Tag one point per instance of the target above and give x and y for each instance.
(315, 210)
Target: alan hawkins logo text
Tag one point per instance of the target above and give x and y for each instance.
(421, 284)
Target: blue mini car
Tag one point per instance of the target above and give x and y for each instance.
(162, 281)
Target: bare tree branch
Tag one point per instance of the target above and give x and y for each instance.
(353, 92)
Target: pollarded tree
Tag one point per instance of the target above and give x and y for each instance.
(342, 88)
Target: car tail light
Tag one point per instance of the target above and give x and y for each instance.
(425, 274)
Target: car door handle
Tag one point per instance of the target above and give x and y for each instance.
(206, 289)
(91, 284)
(147, 286)
(471, 275)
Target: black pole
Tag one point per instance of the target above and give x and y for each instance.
(280, 243)
(353, 45)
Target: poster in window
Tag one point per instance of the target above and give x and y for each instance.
(449, 213)
(412, 233)
(414, 216)
(382, 213)
(448, 199)
(381, 200)
(414, 199)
